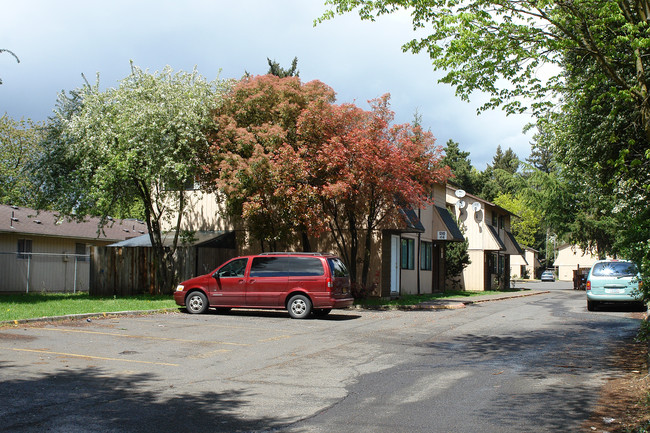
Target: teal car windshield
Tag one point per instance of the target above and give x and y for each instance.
(614, 269)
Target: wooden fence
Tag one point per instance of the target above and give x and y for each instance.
(127, 271)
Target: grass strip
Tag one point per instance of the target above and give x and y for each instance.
(36, 305)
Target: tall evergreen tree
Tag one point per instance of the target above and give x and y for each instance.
(465, 176)
(278, 71)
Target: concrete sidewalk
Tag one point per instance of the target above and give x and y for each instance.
(458, 302)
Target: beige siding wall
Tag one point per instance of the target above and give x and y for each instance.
(52, 267)
(571, 257)
(517, 261)
(204, 211)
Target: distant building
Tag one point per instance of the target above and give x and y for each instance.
(525, 266)
(491, 244)
(42, 251)
(570, 258)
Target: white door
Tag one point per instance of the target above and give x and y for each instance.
(394, 264)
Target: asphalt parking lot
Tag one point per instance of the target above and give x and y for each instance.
(262, 371)
(166, 372)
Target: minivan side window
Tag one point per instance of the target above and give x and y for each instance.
(269, 267)
(338, 268)
(305, 267)
(236, 268)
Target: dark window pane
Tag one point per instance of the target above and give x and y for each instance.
(338, 268)
(236, 268)
(305, 267)
(269, 267)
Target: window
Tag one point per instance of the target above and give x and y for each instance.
(426, 251)
(305, 267)
(338, 268)
(502, 222)
(495, 219)
(24, 248)
(80, 251)
(408, 253)
(614, 269)
(236, 268)
(269, 267)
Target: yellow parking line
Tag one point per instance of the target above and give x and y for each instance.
(115, 334)
(75, 355)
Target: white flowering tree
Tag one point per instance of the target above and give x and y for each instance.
(134, 145)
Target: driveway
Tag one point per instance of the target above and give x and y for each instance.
(527, 364)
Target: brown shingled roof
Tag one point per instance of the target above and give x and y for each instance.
(27, 221)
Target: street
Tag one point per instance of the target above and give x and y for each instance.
(531, 364)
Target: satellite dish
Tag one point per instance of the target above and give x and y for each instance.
(476, 206)
(459, 193)
(461, 204)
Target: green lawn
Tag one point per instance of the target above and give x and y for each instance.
(34, 305)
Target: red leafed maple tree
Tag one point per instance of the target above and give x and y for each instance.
(290, 162)
(362, 168)
(256, 153)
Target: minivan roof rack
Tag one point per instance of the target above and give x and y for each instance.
(292, 253)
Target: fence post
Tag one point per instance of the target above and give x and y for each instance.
(29, 260)
(74, 285)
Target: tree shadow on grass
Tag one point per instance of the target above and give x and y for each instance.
(92, 400)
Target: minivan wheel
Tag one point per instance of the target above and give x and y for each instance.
(299, 307)
(591, 305)
(196, 303)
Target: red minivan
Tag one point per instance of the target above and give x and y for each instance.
(302, 283)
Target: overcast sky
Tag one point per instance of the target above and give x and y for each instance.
(57, 41)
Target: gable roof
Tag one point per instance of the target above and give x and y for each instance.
(26, 221)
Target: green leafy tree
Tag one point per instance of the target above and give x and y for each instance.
(498, 46)
(138, 143)
(20, 147)
(526, 223)
(456, 258)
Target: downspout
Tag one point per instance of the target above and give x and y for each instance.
(419, 250)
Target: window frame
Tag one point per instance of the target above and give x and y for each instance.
(24, 248)
(426, 256)
(407, 253)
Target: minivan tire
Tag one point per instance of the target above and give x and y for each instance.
(196, 303)
(591, 305)
(299, 307)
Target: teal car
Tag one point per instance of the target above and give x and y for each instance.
(613, 281)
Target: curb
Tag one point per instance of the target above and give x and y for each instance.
(448, 304)
(87, 316)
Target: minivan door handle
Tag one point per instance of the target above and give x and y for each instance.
(244, 281)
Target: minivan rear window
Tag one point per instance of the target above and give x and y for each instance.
(614, 269)
(338, 268)
(305, 267)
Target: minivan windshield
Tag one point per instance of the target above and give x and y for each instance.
(614, 269)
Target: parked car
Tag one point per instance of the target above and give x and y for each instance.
(547, 276)
(302, 283)
(613, 281)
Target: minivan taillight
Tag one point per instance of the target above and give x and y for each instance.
(588, 285)
(329, 283)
